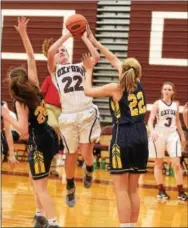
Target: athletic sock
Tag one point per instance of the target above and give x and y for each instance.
(53, 221)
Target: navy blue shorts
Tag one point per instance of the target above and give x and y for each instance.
(41, 149)
(129, 149)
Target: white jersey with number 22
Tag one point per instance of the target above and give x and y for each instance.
(69, 80)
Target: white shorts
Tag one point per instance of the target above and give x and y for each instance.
(167, 141)
(80, 127)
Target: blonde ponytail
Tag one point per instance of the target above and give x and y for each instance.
(131, 74)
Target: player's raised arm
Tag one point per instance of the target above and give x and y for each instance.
(115, 62)
(53, 50)
(94, 53)
(32, 69)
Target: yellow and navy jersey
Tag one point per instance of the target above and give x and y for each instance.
(38, 116)
(130, 108)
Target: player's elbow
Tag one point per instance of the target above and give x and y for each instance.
(86, 91)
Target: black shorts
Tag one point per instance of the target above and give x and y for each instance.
(41, 149)
(129, 149)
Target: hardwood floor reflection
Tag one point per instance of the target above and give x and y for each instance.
(95, 207)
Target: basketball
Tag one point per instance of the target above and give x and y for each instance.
(76, 24)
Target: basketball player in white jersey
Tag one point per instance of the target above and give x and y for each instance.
(79, 121)
(165, 137)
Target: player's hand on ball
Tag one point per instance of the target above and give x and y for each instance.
(90, 35)
(84, 36)
(22, 25)
(67, 33)
(87, 62)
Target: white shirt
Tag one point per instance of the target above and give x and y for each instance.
(166, 116)
(15, 117)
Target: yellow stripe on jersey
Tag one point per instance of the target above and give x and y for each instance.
(39, 163)
(116, 158)
(116, 109)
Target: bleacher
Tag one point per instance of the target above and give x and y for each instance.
(113, 18)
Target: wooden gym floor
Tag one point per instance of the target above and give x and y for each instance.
(95, 207)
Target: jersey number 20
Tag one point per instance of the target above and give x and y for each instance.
(136, 104)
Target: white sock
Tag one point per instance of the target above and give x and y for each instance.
(133, 225)
(53, 221)
(125, 225)
(39, 212)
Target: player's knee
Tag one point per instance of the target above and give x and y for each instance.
(132, 190)
(40, 190)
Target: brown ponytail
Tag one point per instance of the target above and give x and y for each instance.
(46, 45)
(131, 74)
(22, 90)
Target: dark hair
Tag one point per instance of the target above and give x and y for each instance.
(173, 87)
(131, 74)
(22, 90)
